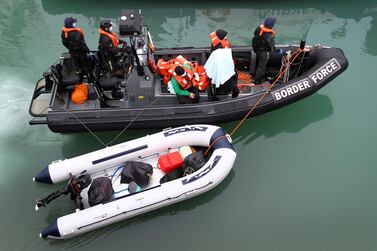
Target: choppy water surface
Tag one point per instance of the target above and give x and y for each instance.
(305, 177)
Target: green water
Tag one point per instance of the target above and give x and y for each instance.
(305, 176)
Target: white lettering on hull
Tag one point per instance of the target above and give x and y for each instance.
(291, 89)
(327, 70)
(322, 73)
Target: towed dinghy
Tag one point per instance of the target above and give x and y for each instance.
(140, 99)
(137, 176)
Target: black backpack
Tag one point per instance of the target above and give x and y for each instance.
(137, 171)
(100, 191)
(193, 162)
(172, 175)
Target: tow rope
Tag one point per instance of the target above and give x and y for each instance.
(121, 132)
(295, 55)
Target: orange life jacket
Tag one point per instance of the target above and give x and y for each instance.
(264, 29)
(167, 70)
(203, 80)
(216, 40)
(111, 35)
(163, 69)
(68, 30)
(152, 66)
(184, 81)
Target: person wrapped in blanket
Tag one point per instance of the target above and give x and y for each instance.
(220, 67)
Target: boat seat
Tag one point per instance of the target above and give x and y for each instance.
(108, 82)
(66, 73)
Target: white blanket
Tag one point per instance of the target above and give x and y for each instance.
(220, 66)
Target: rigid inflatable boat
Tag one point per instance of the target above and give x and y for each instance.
(146, 102)
(151, 150)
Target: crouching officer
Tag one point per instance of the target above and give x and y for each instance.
(108, 47)
(73, 40)
(263, 43)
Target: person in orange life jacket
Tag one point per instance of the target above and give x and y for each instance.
(73, 40)
(220, 41)
(263, 43)
(183, 87)
(108, 47)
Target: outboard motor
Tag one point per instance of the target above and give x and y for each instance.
(74, 187)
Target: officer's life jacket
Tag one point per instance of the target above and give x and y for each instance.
(258, 41)
(216, 40)
(68, 30)
(265, 30)
(111, 35)
(71, 43)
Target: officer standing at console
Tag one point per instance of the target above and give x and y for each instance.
(108, 47)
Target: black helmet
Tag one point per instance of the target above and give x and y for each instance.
(105, 24)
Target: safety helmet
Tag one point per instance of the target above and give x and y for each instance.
(105, 24)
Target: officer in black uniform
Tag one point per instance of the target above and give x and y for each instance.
(73, 40)
(263, 43)
(108, 48)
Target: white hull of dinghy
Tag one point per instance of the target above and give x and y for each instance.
(159, 195)
(61, 170)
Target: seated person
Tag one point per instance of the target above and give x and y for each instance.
(166, 69)
(108, 50)
(220, 66)
(181, 84)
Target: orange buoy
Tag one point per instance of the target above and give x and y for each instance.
(80, 93)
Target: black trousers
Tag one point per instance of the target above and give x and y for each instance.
(229, 86)
(188, 100)
(262, 60)
(80, 60)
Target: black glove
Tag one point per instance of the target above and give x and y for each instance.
(122, 41)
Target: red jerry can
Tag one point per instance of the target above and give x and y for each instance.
(170, 161)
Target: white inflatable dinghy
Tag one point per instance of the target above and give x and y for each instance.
(137, 176)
